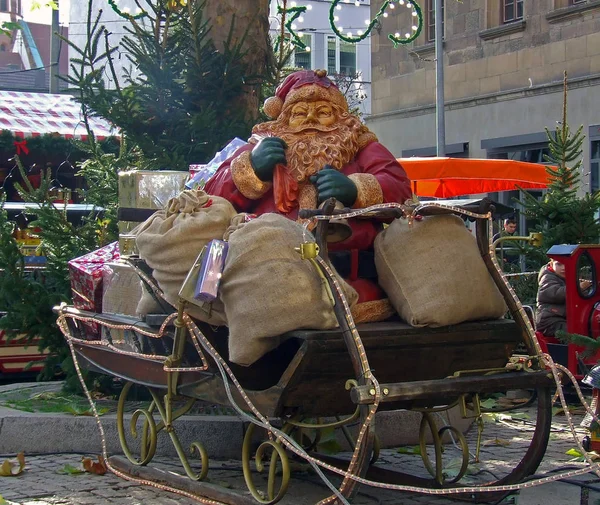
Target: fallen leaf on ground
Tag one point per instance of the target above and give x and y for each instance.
(573, 452)
(578, 456)
(489, 403)
(511, 402)
(13, 467)
(70, 470)
(573, 410)
(496, 441)
(90, 466)
(409, 450)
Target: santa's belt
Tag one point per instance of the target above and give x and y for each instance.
(342, 261)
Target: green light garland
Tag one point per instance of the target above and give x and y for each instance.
(126, 15)
(393, 38)
(295, 14)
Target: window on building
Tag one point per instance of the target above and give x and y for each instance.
(332, 54)
(341, 56)
(595, 165)
(563, 4)
(430, 19)
(512, 10)
(347, 58)
(2, 48)
(534, 154)
(303, 57)
(4, 5)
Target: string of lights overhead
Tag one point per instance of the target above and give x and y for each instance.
(293, 16)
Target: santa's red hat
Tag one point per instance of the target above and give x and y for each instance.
(304, 85)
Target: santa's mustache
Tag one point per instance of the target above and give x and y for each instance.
(313, 126)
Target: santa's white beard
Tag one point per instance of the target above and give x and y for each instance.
(312, 147)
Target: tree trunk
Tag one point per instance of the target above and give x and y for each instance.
(251, 19)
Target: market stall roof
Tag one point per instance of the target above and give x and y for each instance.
(34, 114)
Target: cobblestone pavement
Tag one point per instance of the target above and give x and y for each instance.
(504, 442)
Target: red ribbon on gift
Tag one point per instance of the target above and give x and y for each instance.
(22, 147)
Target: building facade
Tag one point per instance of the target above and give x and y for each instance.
(503, 79)
(10, 12)
(25, 52)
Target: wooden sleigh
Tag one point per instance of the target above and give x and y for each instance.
(344, 375)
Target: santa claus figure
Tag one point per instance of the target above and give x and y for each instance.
(314, 149)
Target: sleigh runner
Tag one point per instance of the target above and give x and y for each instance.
(345, 375)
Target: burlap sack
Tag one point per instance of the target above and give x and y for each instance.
(268, 289)
(433, 273)
(170, 241)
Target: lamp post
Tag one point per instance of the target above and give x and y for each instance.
(440, 124)
(54, 50)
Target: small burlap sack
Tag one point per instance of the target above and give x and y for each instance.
(433, 273)
(170, 241)
(268, 289)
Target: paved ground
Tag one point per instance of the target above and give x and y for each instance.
(45, 481)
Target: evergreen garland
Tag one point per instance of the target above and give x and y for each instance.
(395, 38)
(49, 148)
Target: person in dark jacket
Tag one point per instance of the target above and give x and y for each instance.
(551, 313)
(508, 253)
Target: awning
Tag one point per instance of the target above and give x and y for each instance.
(34, 114)
(442, 177)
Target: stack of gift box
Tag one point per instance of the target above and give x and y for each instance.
(101, 273)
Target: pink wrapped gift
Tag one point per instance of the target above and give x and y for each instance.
(86, 280)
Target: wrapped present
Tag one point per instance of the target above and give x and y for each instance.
(149, 189)
(86, 273)
(121, 288)
(144, 189)
(203, 279)
(199, 174)
(211, 271)
(121, 292)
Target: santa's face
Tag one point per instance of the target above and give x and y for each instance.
(317, 133)
(308, 114)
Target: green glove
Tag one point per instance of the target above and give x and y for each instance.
(268, 152)
(331, 183)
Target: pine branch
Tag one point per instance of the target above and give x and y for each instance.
(591, 345)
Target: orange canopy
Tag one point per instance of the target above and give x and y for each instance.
(449, 177)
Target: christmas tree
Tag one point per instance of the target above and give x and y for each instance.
(178, 102)
(561, 215)
(180, 108)
(28, 296)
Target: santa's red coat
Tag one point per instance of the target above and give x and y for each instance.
(373, 159)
